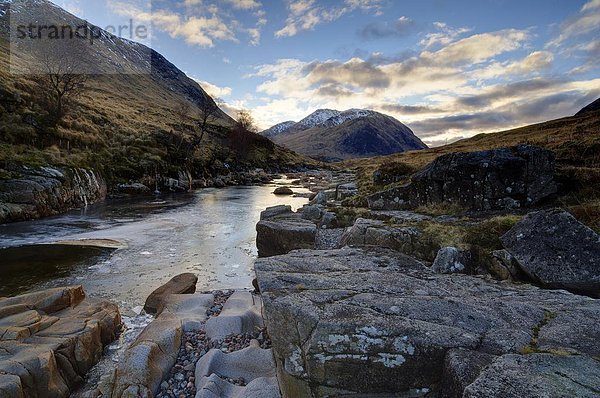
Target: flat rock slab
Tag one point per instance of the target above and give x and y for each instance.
(241, 313)
(538, 376)
(180, 284)
(556, 250)
(376, 321)
(51, 339)
(277, 236)
(249, 363)
(215, 387)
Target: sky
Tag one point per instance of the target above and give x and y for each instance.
(447, 69)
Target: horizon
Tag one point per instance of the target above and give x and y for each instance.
(447, 71)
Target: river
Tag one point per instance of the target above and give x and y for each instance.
(209, 232)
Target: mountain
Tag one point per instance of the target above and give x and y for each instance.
(332, 135)
(278, 129)
(137, 116)
(593, 107)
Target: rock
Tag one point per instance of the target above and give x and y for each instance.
(50, 339)
(180, 284)
(275, 211)
(536, 376)
(248, 364)
(152, 355)
(282, 235)
(497, 179)
(376, 321)
(461, 368)
(188, 308)
(329, 220)
(215, 387)
(366, 232)
(133, 189)
(449, 260)
(219, 183)
(504, 266)
(241, 313)
(283, 191)
(47, 191)
(554, 249)
(312, 212)
(320, 198)
(345, 191)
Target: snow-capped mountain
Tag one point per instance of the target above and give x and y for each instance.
(332, 135)
(316, 118)
(278, 129)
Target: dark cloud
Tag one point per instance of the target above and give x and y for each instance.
(378, 30)
(525, 112)
(334, 90)
(408, 109)
(508, 90)
(356, 72)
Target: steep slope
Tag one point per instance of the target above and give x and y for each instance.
(332, 135)
(125, 126)
(593, 107)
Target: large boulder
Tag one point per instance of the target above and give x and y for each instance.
(282, 235)
(506, 178)
(405, 239)
(275, 211)
(537, 376)
(556, 250)
(283, 191)
(50, 339)
(376, 321)
(180, 284)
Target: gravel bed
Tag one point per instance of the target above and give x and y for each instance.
(328, 239)
(181, 380)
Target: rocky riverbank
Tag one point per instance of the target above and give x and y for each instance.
(31, 193)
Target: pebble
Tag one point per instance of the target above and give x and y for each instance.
(181, 381)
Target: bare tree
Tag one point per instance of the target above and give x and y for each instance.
(246, 121)
(242, 135)
(61, 74)
(209, 113)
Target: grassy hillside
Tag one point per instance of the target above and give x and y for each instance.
(575, 141)
(125, 126)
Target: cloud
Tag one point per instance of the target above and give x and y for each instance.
(306, 14)
(593, 4)
(213, 90)
(244, 4)
(478, 48)
(534, 63)
(403, 26)
(586, 22)
(443, 36)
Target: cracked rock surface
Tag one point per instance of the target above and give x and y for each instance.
(50, 339)
(375, 321)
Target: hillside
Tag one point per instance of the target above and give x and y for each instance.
(332, 135)
(575, 141)
(126, 126)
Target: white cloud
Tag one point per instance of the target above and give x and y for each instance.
(213, 90)
(306, 14)
(586, 22)
(590, 5)
(443, 36)
(244, 4)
